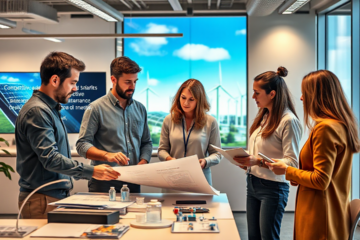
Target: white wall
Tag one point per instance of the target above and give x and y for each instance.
(273, 41)
(287, 40)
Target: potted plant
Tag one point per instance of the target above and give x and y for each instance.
(6, 169)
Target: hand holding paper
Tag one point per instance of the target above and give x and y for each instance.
(230, 154)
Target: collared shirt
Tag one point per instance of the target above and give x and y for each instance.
(172, 142)
(283, 144)
(109, 127)
(43, 151)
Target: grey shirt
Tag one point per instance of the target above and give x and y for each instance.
(42, 148)
(172, 142)
(107, 126)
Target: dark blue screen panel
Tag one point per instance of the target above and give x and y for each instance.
(17, 88)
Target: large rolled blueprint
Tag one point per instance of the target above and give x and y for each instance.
(184, 174)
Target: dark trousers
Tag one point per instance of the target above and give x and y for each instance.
(265, 204)
(104, 186)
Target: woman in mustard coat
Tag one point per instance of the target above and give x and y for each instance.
(324, 176)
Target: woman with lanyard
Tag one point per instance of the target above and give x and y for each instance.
(276, 132)
(188, 130)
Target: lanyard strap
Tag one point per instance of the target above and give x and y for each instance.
(186, 142)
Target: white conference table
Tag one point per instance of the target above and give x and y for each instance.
(218, 205)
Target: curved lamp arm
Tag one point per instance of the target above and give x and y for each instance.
(32, 193)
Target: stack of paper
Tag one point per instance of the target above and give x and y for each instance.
(91, 201)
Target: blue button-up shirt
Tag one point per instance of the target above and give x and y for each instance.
(109, 127)
(43, 151)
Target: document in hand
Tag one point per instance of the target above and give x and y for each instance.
(183, 174)
(231, 153)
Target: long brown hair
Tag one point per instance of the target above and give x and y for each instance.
(202, 105)
(273, 81)
(323, 98)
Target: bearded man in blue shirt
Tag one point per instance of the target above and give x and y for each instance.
(43, 150)
(114, 129)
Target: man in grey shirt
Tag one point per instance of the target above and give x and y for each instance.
(42, 146)
(114, 129)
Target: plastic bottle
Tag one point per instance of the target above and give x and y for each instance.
(112, 194)
(153, 211)
(125, 193)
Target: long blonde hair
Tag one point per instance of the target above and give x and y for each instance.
(202, 106)
(324, 98)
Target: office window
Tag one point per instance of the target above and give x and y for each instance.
(212, 50)
(338, 46)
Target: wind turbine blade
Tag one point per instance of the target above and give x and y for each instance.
(239, 88)
(153, 92)
(148, 78)
(144, 90)
(213, 88)
(220, 74)
(227, 92)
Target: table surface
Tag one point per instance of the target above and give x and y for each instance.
(218, 205)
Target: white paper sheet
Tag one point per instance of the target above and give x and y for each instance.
(183, 174)
(99, 201)
(62, 230)
(231, 153)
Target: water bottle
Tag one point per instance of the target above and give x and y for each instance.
(112, 194)
(153, 211)
(125, 193)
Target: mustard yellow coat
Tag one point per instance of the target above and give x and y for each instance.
(322, 202)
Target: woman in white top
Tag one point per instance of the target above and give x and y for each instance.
(188, 130)
(276, 132)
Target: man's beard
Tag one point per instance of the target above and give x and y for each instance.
(63, 98)
(122, 94)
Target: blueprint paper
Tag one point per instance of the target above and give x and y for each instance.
(183, 174)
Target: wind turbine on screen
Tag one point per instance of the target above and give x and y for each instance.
(147, 90)
(217, 89)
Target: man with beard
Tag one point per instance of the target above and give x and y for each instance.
(43, 151)
(114, 129)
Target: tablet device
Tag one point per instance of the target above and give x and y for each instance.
(265, 158)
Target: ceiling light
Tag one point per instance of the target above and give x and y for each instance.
(5, 23)
(30, 31)
(77, 36)
(99, 8)
(291, 6)
(175, 4)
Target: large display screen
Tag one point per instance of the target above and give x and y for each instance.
(17, 87)
(212, 50)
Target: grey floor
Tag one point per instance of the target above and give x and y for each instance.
(240, 219)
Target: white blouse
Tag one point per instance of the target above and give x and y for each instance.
(283, 145)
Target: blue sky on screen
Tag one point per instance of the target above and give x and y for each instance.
(208, 42)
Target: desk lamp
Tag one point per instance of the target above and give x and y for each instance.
(16, 232)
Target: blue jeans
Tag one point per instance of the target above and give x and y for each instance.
(265, 204)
